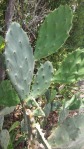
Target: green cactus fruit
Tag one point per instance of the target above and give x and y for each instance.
(53, 32)
(42, 80)
(8, 96)
(70, 134)
(72, 68)
(19, 59)
(4, 138)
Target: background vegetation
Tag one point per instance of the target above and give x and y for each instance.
(30, 14)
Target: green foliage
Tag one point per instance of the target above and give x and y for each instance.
(8, 96)
(20, 66)
(17, 123)
(78, 30)
(51, 103)
(19, 59)
(13, 133)
(50, 95)
(56, 3)
(53, 32)
(3, 5)
(74, 103)
(2, 43)
(72, 68)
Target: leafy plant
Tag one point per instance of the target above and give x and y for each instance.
(8, 94)
(71, 69)
(2, 43)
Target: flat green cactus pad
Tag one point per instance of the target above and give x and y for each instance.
(42, 80)
(70, 134)
(53, 32)
(4, 138)
(19, 59)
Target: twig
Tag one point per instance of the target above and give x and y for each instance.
(36, 7)
(9, 13)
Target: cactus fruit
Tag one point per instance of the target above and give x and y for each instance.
(53, 32)
(70, 134)
(8, 96)
(72, 68)
(19, 59)
(42, 80)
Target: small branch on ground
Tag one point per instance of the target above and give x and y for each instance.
(9, 13)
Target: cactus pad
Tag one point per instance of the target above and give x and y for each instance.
(70, 134)
(42, 80)
(4, 138)
(19, 59)
(53, 32)
(72, 68)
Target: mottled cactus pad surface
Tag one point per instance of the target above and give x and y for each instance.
(53, 32)
(19, 59)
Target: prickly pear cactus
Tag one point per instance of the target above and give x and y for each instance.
(4, 138)
(19, 59)
(7, 110)
(72, 68)
(70, 134)
(53, 32)
(4, 134)
(42, 80)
